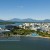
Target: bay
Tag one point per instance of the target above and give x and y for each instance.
(26, 43)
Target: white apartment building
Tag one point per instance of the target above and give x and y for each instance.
(35, 26)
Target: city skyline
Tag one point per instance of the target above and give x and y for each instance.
(34, 9)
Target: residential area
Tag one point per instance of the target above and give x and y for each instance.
(24, 28)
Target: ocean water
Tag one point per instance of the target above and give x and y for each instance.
(26, 43)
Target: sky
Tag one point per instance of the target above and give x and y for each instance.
(34, 9)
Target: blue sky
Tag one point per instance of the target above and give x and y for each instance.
(35, 9)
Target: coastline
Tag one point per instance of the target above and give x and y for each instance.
(37, 36)
(18, 37)
(33, 36)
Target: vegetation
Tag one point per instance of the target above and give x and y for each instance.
(21, 31)
(44, 34)
(18, 31)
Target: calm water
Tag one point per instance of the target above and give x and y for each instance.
(16, 24)
(26, 43)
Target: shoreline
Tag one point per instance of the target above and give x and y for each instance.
(33, 36)
(37, 36)
(28, 36)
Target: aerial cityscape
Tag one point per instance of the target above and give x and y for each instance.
(24, 24)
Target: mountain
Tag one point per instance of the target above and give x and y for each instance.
(28, 20)
(15, 20)
(2, 20)
(25, 20)
(46, 20)
(22, 20)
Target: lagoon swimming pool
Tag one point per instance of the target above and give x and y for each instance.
(34, 34)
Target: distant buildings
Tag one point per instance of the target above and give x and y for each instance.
(43, 27)
(2, 31)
